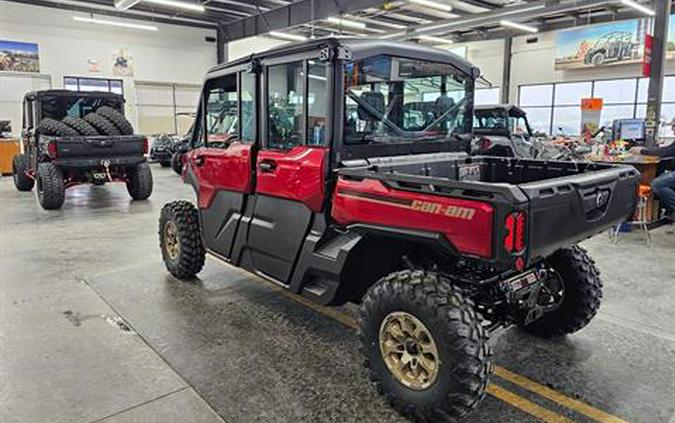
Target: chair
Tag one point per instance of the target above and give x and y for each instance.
(644, 194)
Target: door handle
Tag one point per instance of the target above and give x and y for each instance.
(199, 161)
(267, 166)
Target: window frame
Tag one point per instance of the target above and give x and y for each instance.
(79, 79)
(636, 102)
(263, 107)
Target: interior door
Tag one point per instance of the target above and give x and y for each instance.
(220, 167)
(290, 168)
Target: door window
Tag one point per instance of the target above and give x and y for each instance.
(316, 103)
(285, 117)
(221, 115)
(247, 107)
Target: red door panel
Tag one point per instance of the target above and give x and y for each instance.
(221, 169)
(467, 224)
(297, 174)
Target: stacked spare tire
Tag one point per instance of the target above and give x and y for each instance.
(104, 121)
(49, 176)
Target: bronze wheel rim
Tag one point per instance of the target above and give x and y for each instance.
(171, 244)
(409, 350)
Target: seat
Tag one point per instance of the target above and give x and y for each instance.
(644, 195)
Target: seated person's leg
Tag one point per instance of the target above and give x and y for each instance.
(664, 188)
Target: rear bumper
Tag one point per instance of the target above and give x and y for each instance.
(99, 162)
(160, 156)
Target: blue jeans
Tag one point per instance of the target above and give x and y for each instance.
(664, 188)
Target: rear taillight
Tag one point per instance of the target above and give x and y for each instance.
(514, 241)
(145, 145)
(52, 151)
(484, 143)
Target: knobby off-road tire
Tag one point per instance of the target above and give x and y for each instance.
(582, 293)
(463, 354)
(177, 163)
(102, 125)
(80, 125)
(56, 128)
(180, 240)
(51, 191)
(117, 119)
(139, 182)
(21, 164)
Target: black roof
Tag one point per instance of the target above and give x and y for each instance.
(70, 93)
(361, 47)
(506, 107)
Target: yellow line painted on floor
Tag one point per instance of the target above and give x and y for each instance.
(525, 405)
(556, 396)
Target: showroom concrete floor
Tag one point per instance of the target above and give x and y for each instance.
(92, 328)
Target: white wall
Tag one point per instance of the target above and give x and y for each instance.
(488, 56)
(246, 46)
(172, 54)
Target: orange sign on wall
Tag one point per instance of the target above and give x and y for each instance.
(591, 104)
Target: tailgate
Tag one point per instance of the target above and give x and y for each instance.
(567, 210)
(98, 146)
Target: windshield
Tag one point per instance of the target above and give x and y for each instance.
(498, 121)
(390, 99)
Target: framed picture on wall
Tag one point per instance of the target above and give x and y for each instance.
(18, 56)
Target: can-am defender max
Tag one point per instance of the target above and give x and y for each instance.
(332, 188)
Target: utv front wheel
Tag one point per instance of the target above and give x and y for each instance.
(578, 292)
(180, 240)
(139, 182)
(51, 191)
(426, 349)
(20, 165)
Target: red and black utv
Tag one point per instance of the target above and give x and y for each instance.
(330, 186)
(72, 138)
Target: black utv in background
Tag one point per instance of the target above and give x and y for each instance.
(71, 138)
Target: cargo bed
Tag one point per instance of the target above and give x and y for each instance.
(564, 202)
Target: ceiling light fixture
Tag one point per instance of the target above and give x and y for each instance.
(286, 36)
(195, 7)
(637, 6)
(436, 40)
(346, 23)
(519, 26)
(115, 23)
(432, 4)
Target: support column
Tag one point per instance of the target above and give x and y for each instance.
(506, 69)
(658, 61)
(221, 46)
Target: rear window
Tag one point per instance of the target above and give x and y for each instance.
(58, 107)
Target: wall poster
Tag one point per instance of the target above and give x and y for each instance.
(19, 57)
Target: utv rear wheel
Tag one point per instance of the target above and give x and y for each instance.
(51, 191)
(180, 240)
(117, 119)
(580, 295)
(177, 163)
(139, 182)
(20, 165)
(426, 349)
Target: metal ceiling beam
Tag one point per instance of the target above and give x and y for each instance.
(118, 14)
(293, 14)
(522, 12)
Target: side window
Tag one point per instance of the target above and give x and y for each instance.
(248, 107)
(198, 134)
(221, 115)
(285, 118)
(316, 103)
